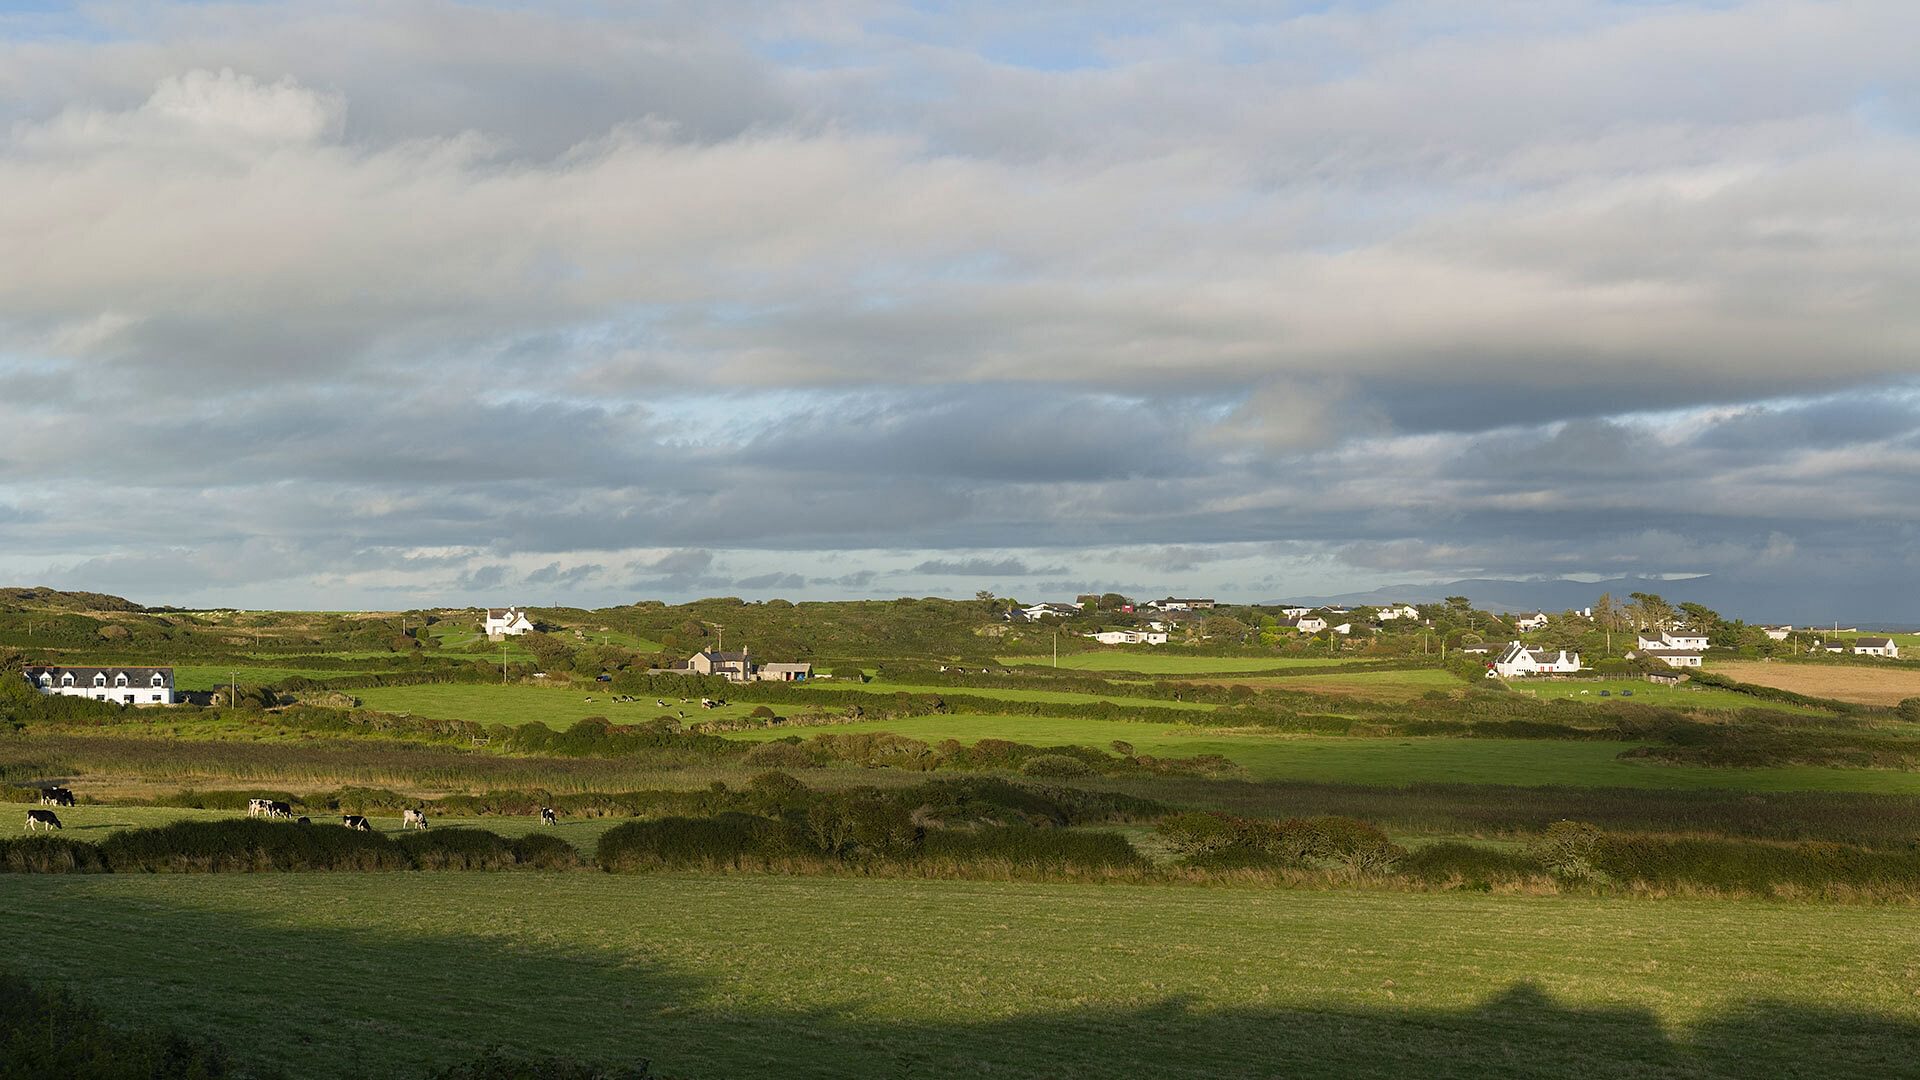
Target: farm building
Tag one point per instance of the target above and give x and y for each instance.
(1528, 623)
(1876, 646)
(1664, 678)
(506, 622)
(125, 685)
(1518, 660)
(784, 673)
(739, 667)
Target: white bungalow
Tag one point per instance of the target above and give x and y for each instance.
(1876, 646)
(122, 685)
(1183, 603)
(1520, 661)
(1310, 624)
(1528, 623)
(506, 622)
(1130, 637)
(1294, 612)
(1049, 611)
(1777, 633)
(1398, 611)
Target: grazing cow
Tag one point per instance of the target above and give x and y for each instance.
(259, 807)
(663, 703)
(548, 817)
(355, 822)
(413, 819)
(43, 819)
(280, 810)
(56, 796)
(706, 703)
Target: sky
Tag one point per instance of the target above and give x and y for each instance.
(399, 303)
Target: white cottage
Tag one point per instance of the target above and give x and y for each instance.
(506, 622)
(1876, 646)
(1529, 623)
(1130, 637)
(1518, 661)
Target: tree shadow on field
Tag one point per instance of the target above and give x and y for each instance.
(389, 993)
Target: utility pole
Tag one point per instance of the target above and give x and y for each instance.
(1056, 648)
(233, 690)
(503, 660)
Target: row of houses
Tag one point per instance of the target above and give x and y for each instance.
(739, 667)
(124, 685)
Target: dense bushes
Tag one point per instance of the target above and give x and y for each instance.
(1221, 841)
(48, 1033)
(252, 846)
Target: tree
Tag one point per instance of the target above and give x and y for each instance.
(985, 597)
(1459, 605)
(1112, 601)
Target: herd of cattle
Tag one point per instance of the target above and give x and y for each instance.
(46, 820)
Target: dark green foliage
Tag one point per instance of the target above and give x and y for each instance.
(1057, 850)
(681, 842)
(1055, 765)
(1223, 841)
(1909, 709)
(47, 1034)
(458, 849)
(43, 854)
(249, 845)
(544, 851)
(1470, 864)
(1569, 849)
(1758, 868)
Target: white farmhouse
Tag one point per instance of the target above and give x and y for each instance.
(1518, 660)
(1130, 637)
(1876, 646)
(1398, 611)
(506, 622)
(1310, 624)
(1294, 612)
(1777, 633)
(124, 685)
(1527, 623)
(1680, 640)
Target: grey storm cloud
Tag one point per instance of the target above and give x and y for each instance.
(442, 300)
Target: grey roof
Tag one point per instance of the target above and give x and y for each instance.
(1873, 642)
(725, 657)
(144, 674)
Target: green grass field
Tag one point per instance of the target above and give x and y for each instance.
(1175, 663)
(382, 974)
(1389, 762)
(558, 707)
(1067, 697)
(215, 677)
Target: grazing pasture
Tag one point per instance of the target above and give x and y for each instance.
(1177, 663)
(728, 977)
(1066, 697)
(1861, 683)
(1386, 686)
(1684, 696)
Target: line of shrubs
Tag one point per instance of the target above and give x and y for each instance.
(1567, 854)
(253, 846)
(48, 1032)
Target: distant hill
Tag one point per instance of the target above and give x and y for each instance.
(1800, 601)
(56, 599)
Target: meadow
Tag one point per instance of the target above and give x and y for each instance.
(375, 975)
(555, 706)
(1861, 683)
(1065, 697)
(1684, 696)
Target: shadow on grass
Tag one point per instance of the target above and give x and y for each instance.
(387, 994)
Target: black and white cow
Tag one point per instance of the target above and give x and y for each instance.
(43, 819)
(413, 819)
(548, 817)
(355, 822)
(259, 807)
(56, 796)
(280, 810)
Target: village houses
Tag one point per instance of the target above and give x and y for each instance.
(739, 667)
(1176, 603)
(1398, 611)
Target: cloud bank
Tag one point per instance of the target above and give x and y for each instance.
(426, 302)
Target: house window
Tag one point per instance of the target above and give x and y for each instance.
(45, 679)
(120, 679)
(156, 697)
(67, 679)
(100, 679)
(159, 679)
